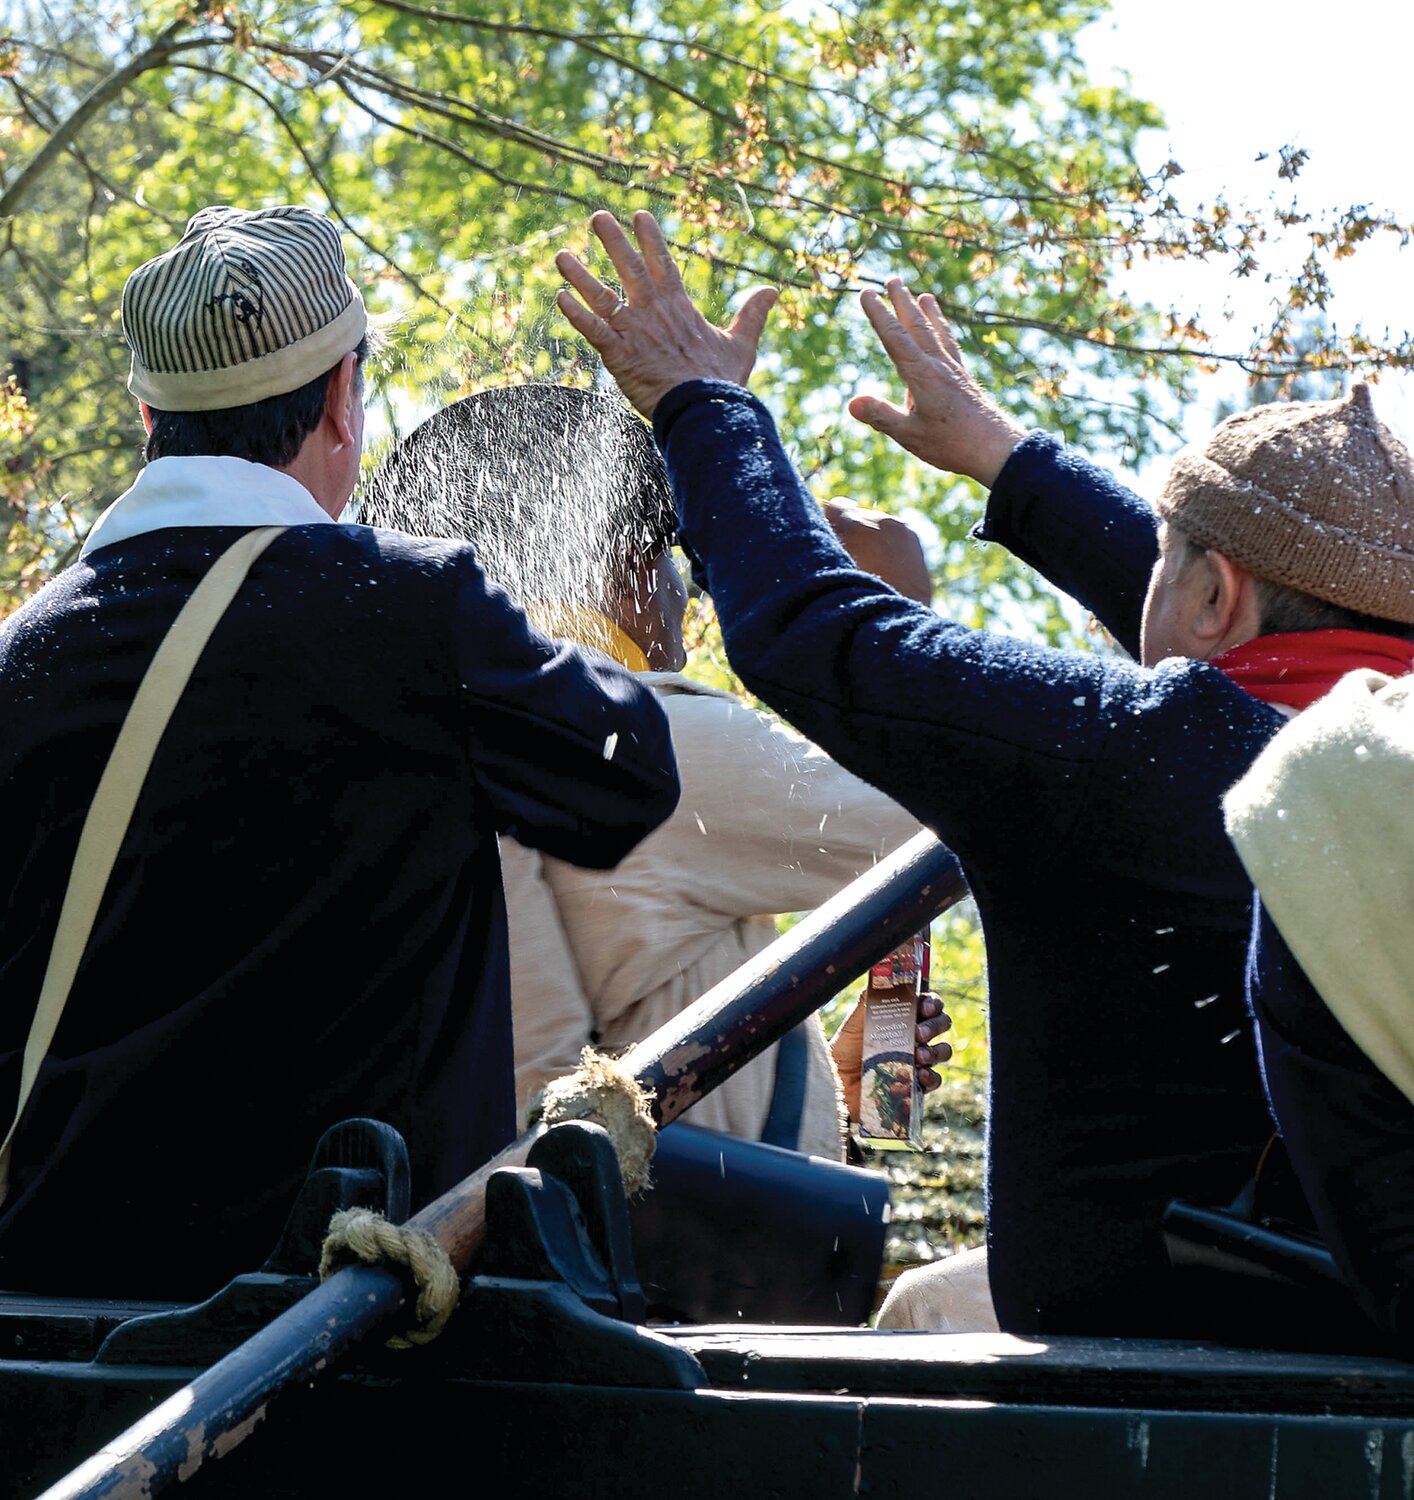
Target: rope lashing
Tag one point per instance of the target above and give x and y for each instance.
(600, 1090)
(603, 1091)
(360, 1234)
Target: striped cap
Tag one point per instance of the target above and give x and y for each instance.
(247, 304)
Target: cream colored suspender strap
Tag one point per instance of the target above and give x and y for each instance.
(112, 807)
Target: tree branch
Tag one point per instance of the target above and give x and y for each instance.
(318, 178)
(99, 95)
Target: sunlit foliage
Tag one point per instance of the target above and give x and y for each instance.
(818, 147)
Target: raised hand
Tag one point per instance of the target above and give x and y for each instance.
(947, 420)
(653, 338)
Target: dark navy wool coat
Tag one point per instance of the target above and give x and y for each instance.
(1082, 794)
(306, 920)
(1348, 1129)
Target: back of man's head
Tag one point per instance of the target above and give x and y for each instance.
(234, 332)
(561, 491)
(1316, 500)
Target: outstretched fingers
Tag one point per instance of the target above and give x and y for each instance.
(658, 260)
(907, 311)
(598, 297)
(909, 360)
(898, 342)
(942, 330)
(582, 320)
(655, 338)
(750, 321)
(626, 260)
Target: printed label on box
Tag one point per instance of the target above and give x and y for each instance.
(890, 1101)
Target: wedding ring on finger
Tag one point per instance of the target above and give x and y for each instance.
(615, 310)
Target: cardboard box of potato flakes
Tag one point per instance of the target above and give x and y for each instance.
(890, 1102)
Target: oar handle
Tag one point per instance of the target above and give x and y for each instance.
(732, 1023)
(227, 1402)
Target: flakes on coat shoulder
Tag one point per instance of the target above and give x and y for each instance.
(610, 745)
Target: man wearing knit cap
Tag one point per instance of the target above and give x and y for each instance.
(304, 921)
(1081, 791)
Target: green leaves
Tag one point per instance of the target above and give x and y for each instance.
(458, 148)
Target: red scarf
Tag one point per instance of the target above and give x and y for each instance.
(1297, 668)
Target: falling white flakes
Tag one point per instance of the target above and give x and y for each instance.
(610, 745)
(823, 821)
(1206, 1000)
(1162, 931)
(1079, 702)
(1231, 1034)
(701, 826)
(1161, 967)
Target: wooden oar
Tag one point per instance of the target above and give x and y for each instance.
(731, 1024)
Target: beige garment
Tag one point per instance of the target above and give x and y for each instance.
(1322, 824)
(950, 1296)
(767, 823)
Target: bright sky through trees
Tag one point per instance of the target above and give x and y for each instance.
(1235, 79)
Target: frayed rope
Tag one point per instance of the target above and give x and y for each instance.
(603, 1091)
(362, 1236)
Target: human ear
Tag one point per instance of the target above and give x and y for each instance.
(1228, 610)
(145, 411)
(340, 400)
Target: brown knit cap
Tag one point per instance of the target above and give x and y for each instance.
(1316, 495)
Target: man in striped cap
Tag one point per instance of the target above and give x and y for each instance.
(305, 919)
(245, 336)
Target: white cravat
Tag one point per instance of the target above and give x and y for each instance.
(205, 491)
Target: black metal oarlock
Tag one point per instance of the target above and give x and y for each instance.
(679, 1063)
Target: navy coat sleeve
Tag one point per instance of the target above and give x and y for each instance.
(572, 752)
(886, 685)
(1079, 528)
(940, 716)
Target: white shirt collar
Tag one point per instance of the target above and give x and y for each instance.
(206, 491)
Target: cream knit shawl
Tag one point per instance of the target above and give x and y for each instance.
(1324, 824)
